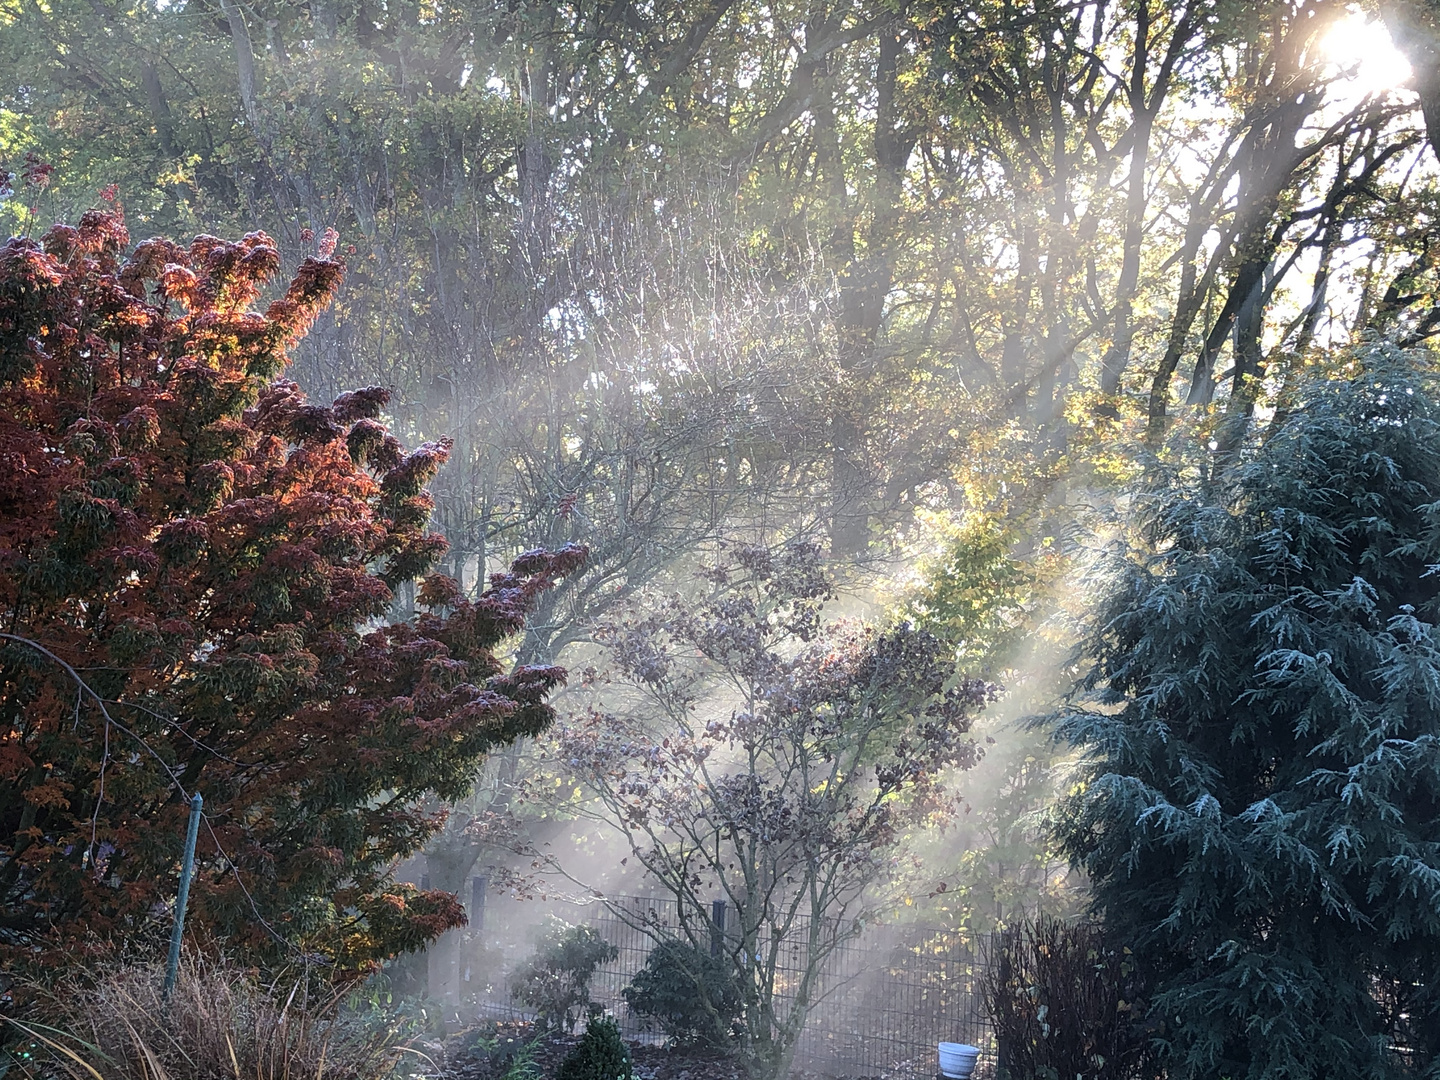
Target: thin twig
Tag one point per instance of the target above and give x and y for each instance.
(100, 704)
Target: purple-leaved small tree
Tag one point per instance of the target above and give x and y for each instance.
(773, 759)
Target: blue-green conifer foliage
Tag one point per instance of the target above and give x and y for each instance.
(1260, 807)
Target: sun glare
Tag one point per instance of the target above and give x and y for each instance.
(1364, 49)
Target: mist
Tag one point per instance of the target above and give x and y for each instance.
(838, 335)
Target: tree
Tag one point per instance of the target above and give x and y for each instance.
(195, 566)
(1415, 27)
(974, 593)
(980, 596)
(776, 764)
(980, 211)
(1259, 719)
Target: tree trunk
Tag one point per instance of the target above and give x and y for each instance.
(1414, 26)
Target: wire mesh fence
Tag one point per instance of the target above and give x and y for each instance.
(886, 997)
(889, 1004)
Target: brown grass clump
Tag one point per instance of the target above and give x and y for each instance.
(221, 1023)
(1063, 1001)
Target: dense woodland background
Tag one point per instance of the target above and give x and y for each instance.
(924, 288)
(667, 274)
(673, 274)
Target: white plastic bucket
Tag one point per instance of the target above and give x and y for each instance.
(958, 1059)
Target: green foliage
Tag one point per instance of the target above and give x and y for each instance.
(981, 595)
(1000, 862)
(975, 595)
(1260, 725)
(508, 1057)
(601, 1054)
(1061, 1001)
(555, 982)
(960, 311)
(693, 995)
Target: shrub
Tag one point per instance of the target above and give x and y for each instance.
(601, 1054)
(693, 995)
(221, 1021)
(1061, 999)
(555, 982)
(505, 1055)
(196, 567)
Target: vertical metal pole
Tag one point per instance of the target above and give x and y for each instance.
(1004, 944)
(477, 903)
(187, 867)
(717, 927)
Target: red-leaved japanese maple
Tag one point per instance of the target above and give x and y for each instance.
(196, 566)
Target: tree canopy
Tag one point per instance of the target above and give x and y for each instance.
(866, 256)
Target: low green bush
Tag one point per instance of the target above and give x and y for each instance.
(555, 981)
(601, 1054)
(694, 996)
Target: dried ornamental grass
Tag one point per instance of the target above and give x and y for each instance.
(221, 1023)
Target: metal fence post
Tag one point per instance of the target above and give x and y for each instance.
(1003, 942)
(717, 927)
(477, 902)
(187, 867)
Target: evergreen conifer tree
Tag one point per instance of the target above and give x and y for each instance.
(1260, 720)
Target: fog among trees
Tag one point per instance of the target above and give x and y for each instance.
(877, 462)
